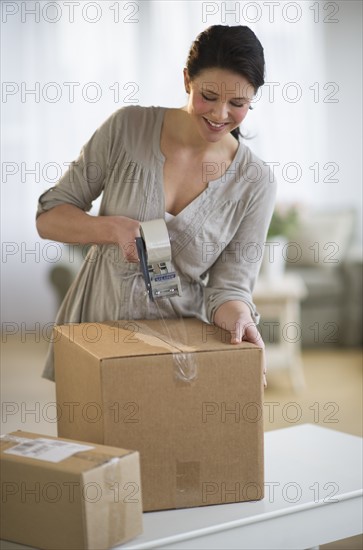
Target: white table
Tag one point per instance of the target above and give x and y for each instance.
(299, 461)
(278, 301)
(319, 468)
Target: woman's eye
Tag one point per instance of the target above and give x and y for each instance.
(208, 98)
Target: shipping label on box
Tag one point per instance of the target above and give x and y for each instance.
(176, 391)
(61, 494)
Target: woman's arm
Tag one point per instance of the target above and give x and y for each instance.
(62, 209)
(228, 293)
(69, 224)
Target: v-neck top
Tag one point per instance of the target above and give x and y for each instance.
(168, 216)
(217, 240)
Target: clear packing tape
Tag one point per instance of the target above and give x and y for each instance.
(184, 361)
(156, 238)
(165, 283)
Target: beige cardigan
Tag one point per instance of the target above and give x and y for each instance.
(216, 241)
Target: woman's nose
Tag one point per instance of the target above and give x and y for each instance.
(220, 110)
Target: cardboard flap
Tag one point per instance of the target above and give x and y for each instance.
(190, 334)
(126, 338)
(114, 339)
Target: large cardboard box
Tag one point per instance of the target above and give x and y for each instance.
(61, 494)
(179, 393)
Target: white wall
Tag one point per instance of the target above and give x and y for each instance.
(144, 52)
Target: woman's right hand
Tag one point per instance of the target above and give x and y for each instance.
(126, 230)
(68, 224)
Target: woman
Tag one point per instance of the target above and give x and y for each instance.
(188, 165)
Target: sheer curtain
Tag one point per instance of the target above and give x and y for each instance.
(84, 60)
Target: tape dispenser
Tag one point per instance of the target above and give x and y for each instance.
(154, 250)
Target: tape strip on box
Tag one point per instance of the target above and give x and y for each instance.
(185, 364)
(187, 483)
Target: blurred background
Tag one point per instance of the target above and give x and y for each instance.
(66, 66)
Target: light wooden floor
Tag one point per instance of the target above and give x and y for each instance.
(332, 397)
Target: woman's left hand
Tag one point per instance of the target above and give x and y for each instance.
(235, 316)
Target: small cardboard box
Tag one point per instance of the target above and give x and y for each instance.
(61, 494)
(179, 393)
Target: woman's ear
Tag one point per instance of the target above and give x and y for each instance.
(186, 80)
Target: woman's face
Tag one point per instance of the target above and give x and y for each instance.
(218, 101)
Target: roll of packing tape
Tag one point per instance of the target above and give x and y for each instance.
(157, 242)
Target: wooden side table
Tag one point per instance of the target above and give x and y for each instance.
(278, 302)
